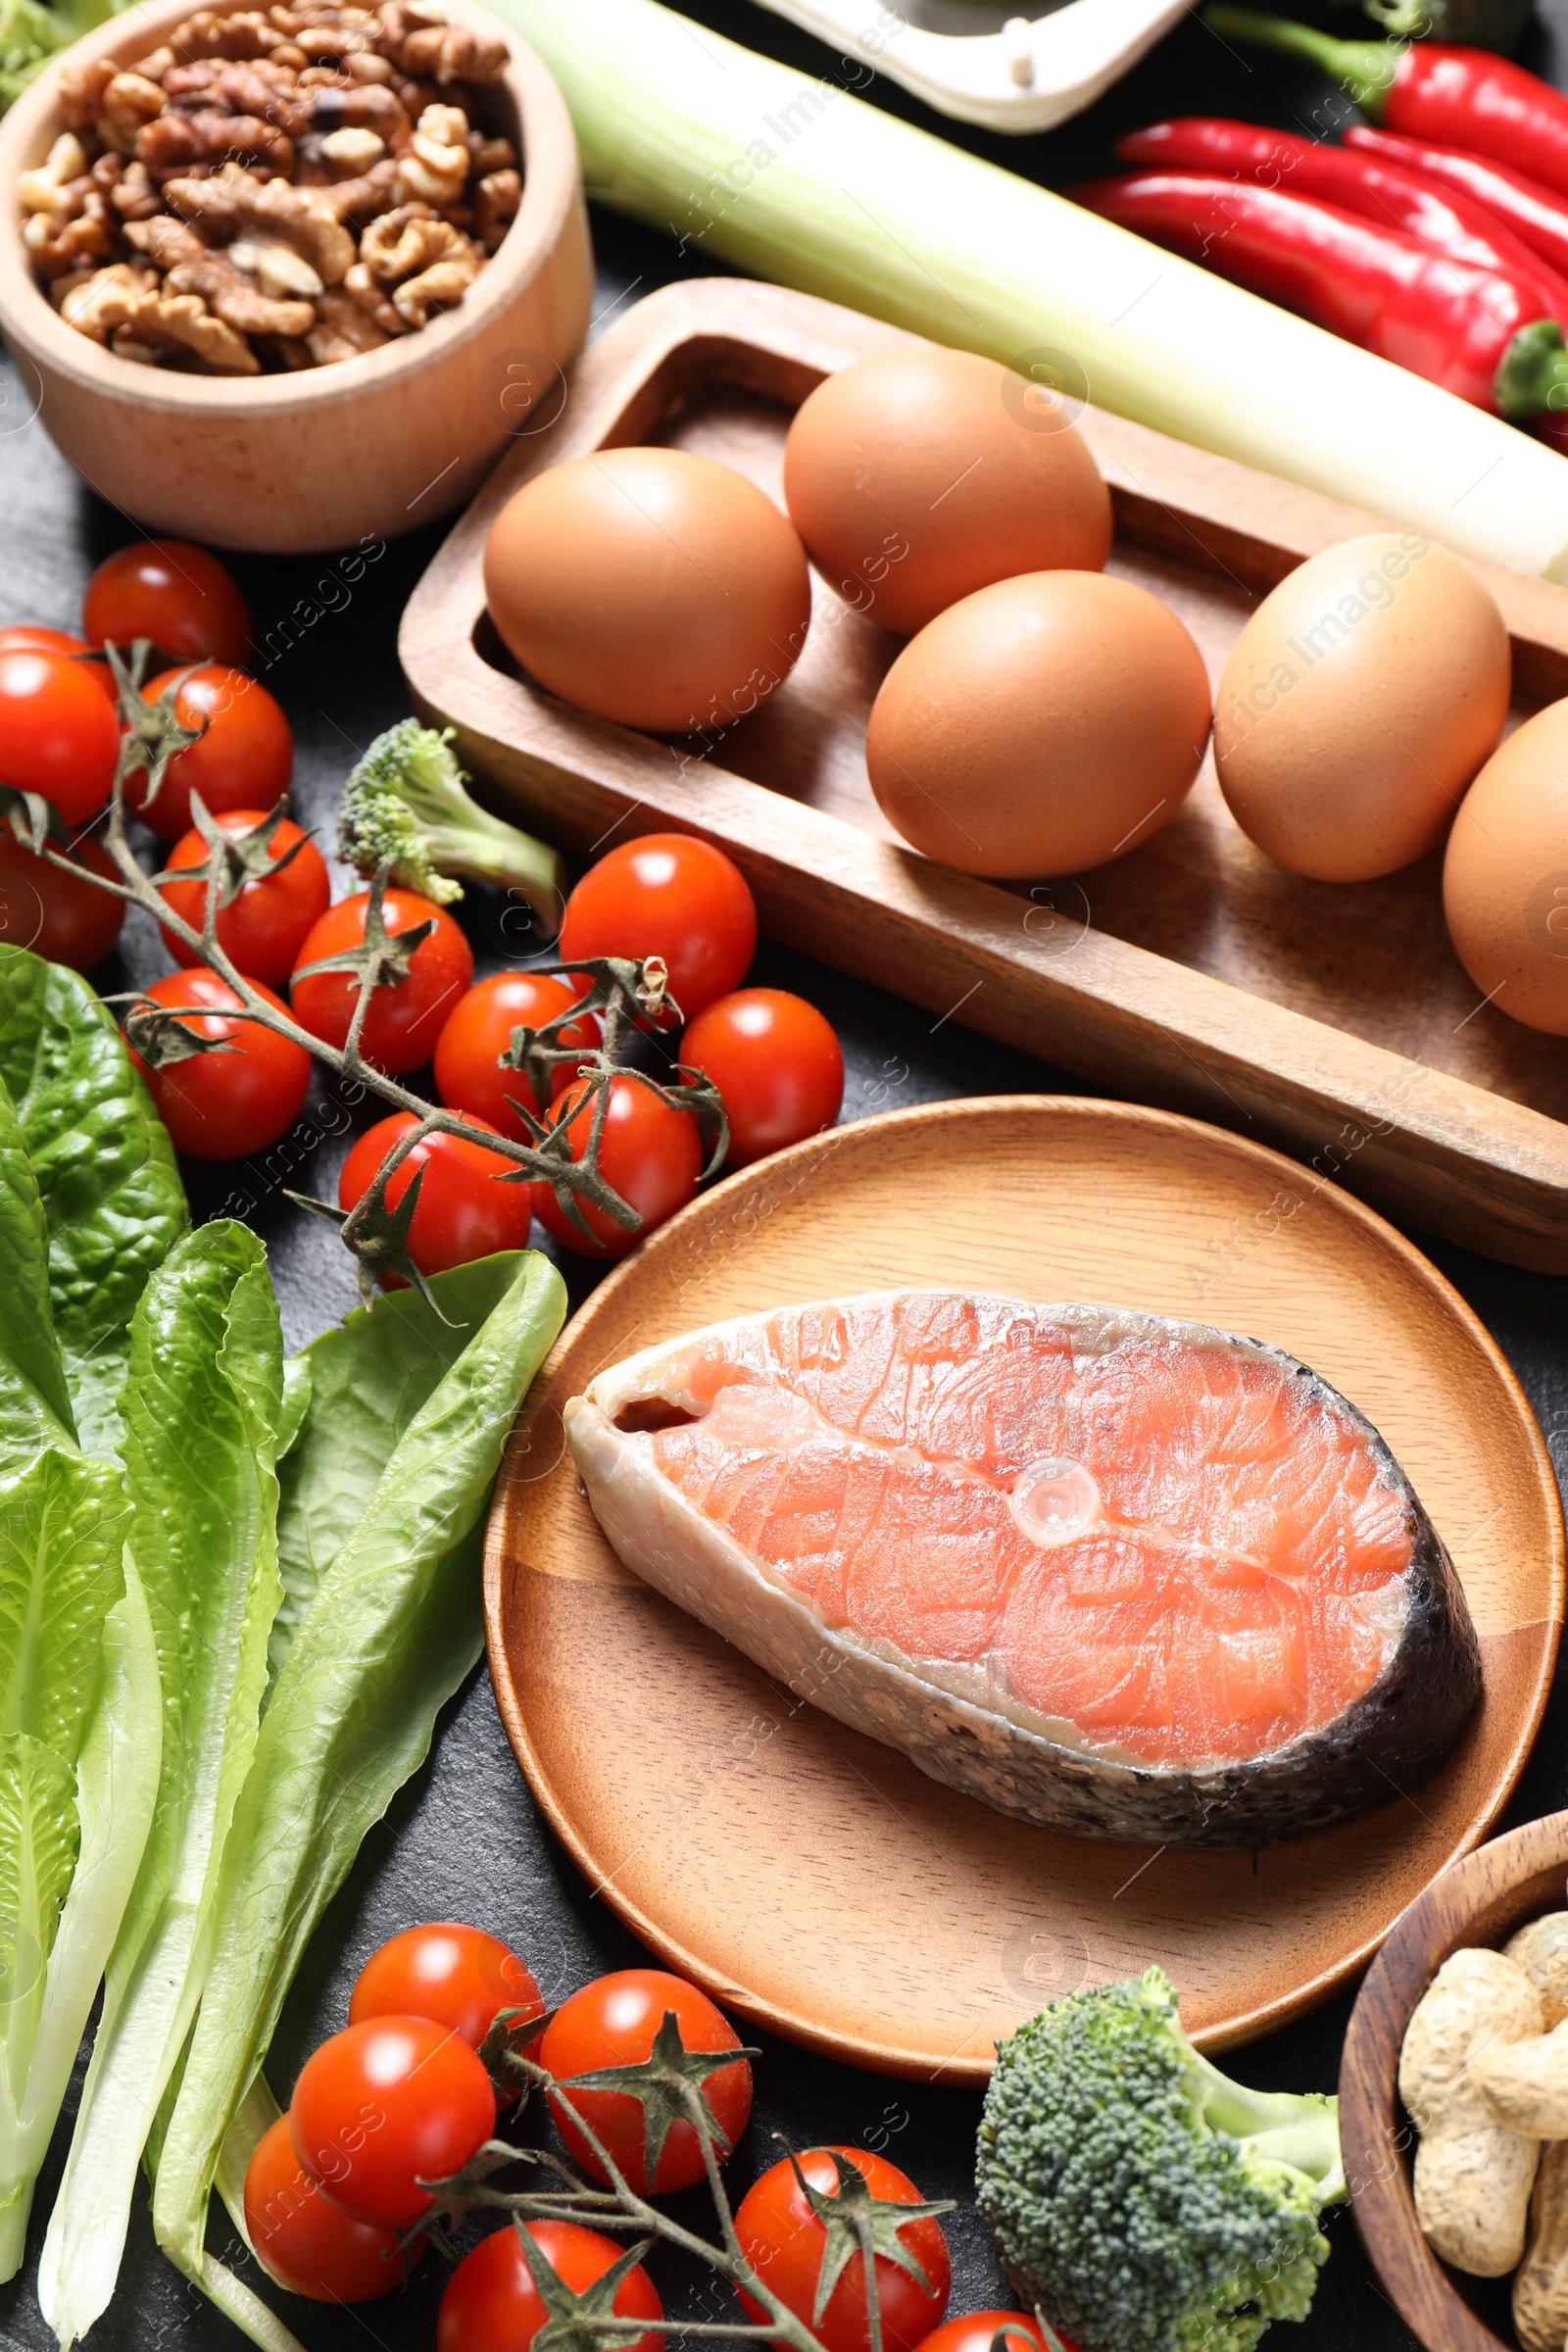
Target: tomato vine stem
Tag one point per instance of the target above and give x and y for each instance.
(621, 2207)
(620, 991)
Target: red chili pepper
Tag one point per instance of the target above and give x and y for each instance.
(1477, 332)
(1429, 90)
(1393, 195)
(1536, 213)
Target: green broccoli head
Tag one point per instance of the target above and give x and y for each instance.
(408, 801)
(1145, 2202)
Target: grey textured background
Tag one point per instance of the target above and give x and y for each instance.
(464, 1841)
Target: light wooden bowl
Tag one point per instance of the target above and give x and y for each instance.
(1480, 1900)
(290, 464)
(742, 1833)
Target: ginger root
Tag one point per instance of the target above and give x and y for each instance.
(1473, 2173)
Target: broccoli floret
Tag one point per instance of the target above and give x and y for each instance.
(1145, 2201)
(406, 801)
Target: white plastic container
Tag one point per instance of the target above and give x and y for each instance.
(1031, 73)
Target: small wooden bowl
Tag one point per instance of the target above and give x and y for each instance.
(289, 463)
(1480, 1900)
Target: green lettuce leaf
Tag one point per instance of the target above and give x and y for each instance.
(34, 1401)
(367, 1378)
(79, 1737)
(105, 1169)
(392, 1630)
(202, 1402)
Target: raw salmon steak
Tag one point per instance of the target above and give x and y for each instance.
(1124, 1576)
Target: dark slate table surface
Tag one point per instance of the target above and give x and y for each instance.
(464, 1840)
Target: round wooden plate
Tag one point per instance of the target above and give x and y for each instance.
(814, 1880)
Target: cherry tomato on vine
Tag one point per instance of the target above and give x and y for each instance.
(650, 1152)
(178, 595)
(613, 2022)
(405, 1020)
(671, 896)
(459, 1975)
(977, 2332)
(53, 913)
(224, 1106)
(468, 1056)
(23, 638)
(58, 734)
(263, 928)
(384, 2105)
(306, 2243)
(785, 2240)
(463, 1210)
(242, 759)
(492, 2304)
(776, 1063)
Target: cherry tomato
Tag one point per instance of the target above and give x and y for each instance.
(384, 2105)
(26, 639)
(467, 1054)
(178, 595)
(242, 761)
(58, 735)
(459, 1975)
(776, 1063)
(52, 913)
(306, 2243)
(612, 2022)
(226, 1105)
(492, 2304)
(783, 2239)
(463, 1210)
(23, 638)
(405, 1020)
(667, 895)
(650, 1152)
(263, 929)
(978, 2331)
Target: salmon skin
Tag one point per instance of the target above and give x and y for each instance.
(1123, 1576)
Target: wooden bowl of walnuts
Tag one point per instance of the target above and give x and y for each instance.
(1498, 1911)
(290, 277)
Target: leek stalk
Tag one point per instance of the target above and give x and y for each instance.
(806, 185)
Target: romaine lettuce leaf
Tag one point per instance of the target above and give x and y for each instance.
(105, 1168)
(389, 1634)
(367, 1378)
(78, 1760)
(201, 1407)
(34, 1401)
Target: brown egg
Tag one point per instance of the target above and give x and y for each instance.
(1357, 703)
(1041, 725)
(654, 587)
(1506, 876)
(918, 476)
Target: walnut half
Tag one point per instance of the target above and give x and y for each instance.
(237, 299)
(180, 328)
(426, 265)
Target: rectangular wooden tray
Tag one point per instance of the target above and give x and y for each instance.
(1331, 1019)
